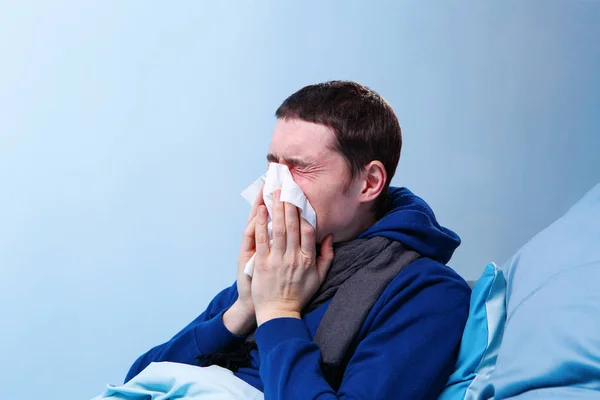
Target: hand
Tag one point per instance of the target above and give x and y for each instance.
(240, 319)
(287, 275)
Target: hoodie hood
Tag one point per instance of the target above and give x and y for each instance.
(411, 221)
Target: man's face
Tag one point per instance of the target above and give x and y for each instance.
(321, 173)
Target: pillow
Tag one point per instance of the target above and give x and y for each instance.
(481, 338)
(551, 343)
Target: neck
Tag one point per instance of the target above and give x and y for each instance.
(356, 229)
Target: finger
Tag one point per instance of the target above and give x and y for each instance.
(292, 227)
(307, 238)
(261, 236)
(325, 258)
(259, 201)
(248, 238)
(279, 228)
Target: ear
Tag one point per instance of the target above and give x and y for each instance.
(373, 182)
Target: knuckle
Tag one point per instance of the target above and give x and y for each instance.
(292, 260)
(307, 260)
(260, 265)
(262, 238)
(279, 231)
(292, 225)
(249, 233)
(307, 230)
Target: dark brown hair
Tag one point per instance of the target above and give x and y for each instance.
(365, 125)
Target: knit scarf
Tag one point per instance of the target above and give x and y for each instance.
(360, 272)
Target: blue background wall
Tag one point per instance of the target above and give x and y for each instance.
(128, 130)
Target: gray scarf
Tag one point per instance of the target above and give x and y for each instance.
(360, 272)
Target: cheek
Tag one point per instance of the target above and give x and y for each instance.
(327, 198)
(308, 190)
(315, 195)
(326, 202)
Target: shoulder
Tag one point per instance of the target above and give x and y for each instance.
(430, 281)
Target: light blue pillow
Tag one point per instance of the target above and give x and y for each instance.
(551, 343)
(481, 338)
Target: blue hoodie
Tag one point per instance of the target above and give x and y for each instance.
(406, 348)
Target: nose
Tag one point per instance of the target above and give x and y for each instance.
(279, 161)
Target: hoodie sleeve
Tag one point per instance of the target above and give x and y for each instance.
(408, 352)
(205, 335)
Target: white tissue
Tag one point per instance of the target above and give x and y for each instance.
(278, 176)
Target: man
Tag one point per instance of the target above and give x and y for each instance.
(373, 272)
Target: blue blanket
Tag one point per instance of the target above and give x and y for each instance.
(167, 381)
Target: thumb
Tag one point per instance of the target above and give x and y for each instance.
(325, 258)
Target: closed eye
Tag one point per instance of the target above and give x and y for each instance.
(291, 162)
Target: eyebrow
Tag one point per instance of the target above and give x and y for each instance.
(294, 161)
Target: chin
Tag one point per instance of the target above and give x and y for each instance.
(319, 238)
